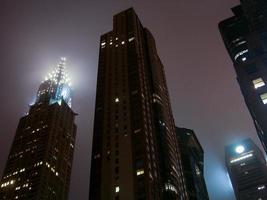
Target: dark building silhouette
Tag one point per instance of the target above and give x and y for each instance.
(247, 170)
(40, 159)
(245, 38)
(193, 164)
(135, 152)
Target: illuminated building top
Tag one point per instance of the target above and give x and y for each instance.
(56, 86)
(247, 170)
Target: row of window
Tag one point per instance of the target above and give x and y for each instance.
(103, 43)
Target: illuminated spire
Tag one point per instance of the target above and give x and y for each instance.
(56, 86)
(59, 75)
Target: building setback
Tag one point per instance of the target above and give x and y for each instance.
(135, 153)
(247, 170)
(245, 38)
(40, 159)
(193, 164)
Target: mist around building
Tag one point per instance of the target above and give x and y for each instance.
(138, 151)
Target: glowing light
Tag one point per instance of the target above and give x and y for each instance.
(240, 53)
(117, 189)
(117, 100)
(57, 84)
(170, 187)
(140, 172)
(264, 98)
(131, 39)
(258, 83)
(241, 158)
(261, 187)
(240, 149)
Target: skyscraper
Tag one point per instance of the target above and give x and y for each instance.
(193, 164)
(40, 159)
(135, 152)
(245, 38)
(247, 170)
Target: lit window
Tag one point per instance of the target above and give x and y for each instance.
(140, 172)
(197, 170)
(244, 59)
(131, 39)
(240, 53)
(261, 187)
(170, 187)
(264, 98)
(117, 189)
(117, 100)
(122, 42)
(103, 43)
(22, 170)
(258, 83)
(110, 43)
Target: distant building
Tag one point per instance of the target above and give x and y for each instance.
(245, 38)
(193, 164)
(40, 159)
(135, 153)
(247, 170)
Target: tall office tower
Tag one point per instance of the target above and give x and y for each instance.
(193, 164)
(247, 170)
(245, 38)
(135, 153)
(40, 160)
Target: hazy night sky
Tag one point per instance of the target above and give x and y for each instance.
(204, 93)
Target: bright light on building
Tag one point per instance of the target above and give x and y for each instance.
(261, 187)
(117, 189)
(170, 187)
(258, 83)
(264, 98)
(240, 149)
(240, 53)
(241, 158)
(140, 172)
(117, 100)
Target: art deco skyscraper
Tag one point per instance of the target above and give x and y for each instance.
(40, 160)
(245, 37)
(247, 169)
(135, 152)
(193, 164)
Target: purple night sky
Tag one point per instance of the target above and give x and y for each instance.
(204, 93)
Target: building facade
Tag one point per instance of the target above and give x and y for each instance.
(247, 169)
(245, 38)
(135, 153)
(192, 156)
(40, 160)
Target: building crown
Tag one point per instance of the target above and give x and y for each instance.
(56, 86)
